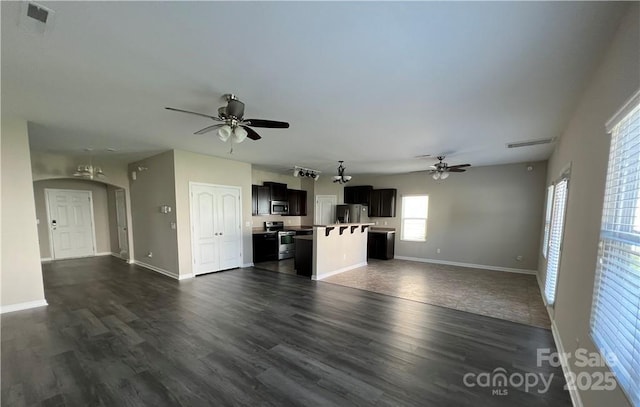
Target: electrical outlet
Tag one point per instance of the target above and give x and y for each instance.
(438, 250)
(519, 258)
(173, 225)
(150, 254)
(385, 223)
(248, 223)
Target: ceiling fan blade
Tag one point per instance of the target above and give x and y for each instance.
(456, 169)
(460, 166)
(251, 133)
(270, 124)
(209, 128)
(197, 114)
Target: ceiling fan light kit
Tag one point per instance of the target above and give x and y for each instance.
(88, 171)
(233, 124)
(441, 170)
(341, 178)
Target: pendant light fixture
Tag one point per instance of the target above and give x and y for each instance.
(341, 178)
(89, 170)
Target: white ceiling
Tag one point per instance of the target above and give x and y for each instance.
(374, 84)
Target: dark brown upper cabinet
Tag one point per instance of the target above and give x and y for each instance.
(383, 203)
(278, 190)
(360, 194)
(260, 197)
(297, 202)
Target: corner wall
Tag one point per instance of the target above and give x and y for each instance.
(21, 274)
(585, 145)
(153, 232)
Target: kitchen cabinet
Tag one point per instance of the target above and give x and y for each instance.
(360, 194)
(381, 245)
(383, 203)
(265, 246)
(277, 190)
(297, 202)
(260, 197)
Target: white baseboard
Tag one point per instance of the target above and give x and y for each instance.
(566, 368)
(158, 270)
(104, 254)
(338, 271)
(245, 265)
(22, 306)
(45, 259)
(470, 265)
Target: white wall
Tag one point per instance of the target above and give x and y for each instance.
(585, 145)
(337, 252)
(486, 216)
(21, 274)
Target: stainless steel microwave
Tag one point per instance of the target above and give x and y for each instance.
(279, 207)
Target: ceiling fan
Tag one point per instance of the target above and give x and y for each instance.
(233, 124)
(441, 169)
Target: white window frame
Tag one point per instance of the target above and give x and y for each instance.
(556, 237)
(615, 310)
(547, 220)
(403, 218)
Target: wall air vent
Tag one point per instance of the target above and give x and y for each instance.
(531, 143)
(37, 12)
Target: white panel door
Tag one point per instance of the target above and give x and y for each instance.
(325, 209)
(229, 227)
(121, 220)
(70, 223)
(216, 228)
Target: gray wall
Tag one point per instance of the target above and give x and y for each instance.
(101, 217)
(193, 167)
(585, 145)
(487, 215)
(152, 230)
(113, 219)
(21, 272)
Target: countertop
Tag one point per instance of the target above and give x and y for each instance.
(381, 230)
(257, 231)
(304, 237)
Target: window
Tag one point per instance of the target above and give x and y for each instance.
(615, 312)
(414, 218)
(555, 239)
(547, 220)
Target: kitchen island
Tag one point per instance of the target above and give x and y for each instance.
(332, 249)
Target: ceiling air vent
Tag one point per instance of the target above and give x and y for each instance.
(37, 12)
(36, 19)
(531, 143)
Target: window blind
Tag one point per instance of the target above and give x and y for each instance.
(547, 220)
(555, 239)
(415, 210)
(615, 313)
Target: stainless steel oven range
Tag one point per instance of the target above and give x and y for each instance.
(286, 246)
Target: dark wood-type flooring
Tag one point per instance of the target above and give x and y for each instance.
(119, 335)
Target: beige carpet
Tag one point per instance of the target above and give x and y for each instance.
(510, 296)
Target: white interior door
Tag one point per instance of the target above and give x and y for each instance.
(70, 216)
(325, 209)
(229, 227)
(216, 228)
(121, 220)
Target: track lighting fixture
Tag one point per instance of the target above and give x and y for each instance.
(306, 172)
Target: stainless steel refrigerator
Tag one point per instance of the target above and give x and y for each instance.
(352, 213)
